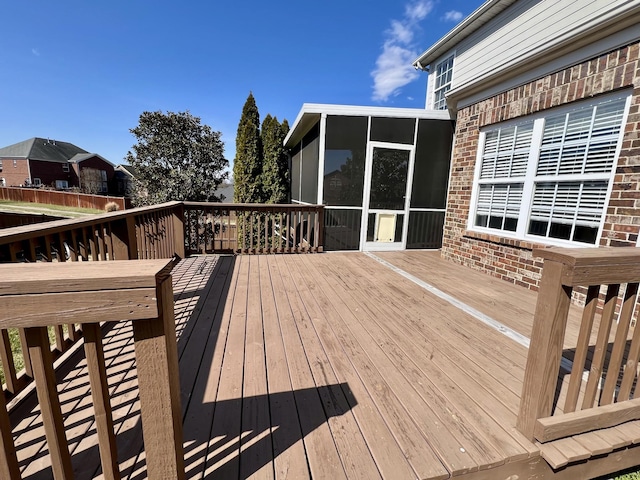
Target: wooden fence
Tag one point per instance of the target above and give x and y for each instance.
(67, 199)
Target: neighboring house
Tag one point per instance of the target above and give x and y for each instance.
(546, 98)
(62, 165)
(124, 176)
(381, 173)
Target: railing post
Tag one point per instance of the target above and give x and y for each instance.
(545, 349)
(159, 384)
(45, 377)
(177, 217)
(94, 353)
(8, 460)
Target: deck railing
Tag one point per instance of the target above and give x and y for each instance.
(162, 231)
(36, 295)
(602, 388)
(253, 228)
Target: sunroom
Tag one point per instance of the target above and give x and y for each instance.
(381, 173)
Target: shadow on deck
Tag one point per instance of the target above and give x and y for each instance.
(201, 290)
(323, 366)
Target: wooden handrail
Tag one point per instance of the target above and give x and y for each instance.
(36, 295)
(598, 393)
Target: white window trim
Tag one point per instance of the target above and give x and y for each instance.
(65, 167)
(436, 89)
(530, 179)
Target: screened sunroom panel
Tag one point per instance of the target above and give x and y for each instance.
(432, 163)
(392, 130)
(295, 174)
(342, 229)
(309, 166)
(344, 160)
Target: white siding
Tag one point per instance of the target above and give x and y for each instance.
(523, 29)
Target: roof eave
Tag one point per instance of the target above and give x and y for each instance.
(542, 55)
(465, 28)
(312, 111)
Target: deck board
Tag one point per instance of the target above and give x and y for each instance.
(323, 366)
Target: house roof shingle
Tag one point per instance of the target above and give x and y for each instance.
(42, 149)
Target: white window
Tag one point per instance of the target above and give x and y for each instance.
(548, 177)
(37, 182)
(0, 165)
(65, 167)
(62, 184)
(444, 72)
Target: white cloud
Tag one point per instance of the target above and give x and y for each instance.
(453, 16)
(400, 32)
(417, 11)
(35, 52)
(393, 66)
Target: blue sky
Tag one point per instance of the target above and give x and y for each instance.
(82, 71)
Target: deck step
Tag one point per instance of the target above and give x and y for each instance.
(565, 451)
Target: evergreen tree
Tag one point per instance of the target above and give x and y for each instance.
(247, 167)
(176, 158)
(275, 166)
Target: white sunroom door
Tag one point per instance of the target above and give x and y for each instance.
(386, 198)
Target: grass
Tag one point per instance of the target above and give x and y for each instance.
(629, 475)
(16, 348)
(63, 210)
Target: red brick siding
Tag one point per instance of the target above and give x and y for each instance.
(49, 172)
(98, 164)
(14, 176)
(511, 259)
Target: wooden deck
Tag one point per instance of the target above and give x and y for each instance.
(325, 366)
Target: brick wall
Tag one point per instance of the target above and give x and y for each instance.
(14, 175)
(511, 259)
